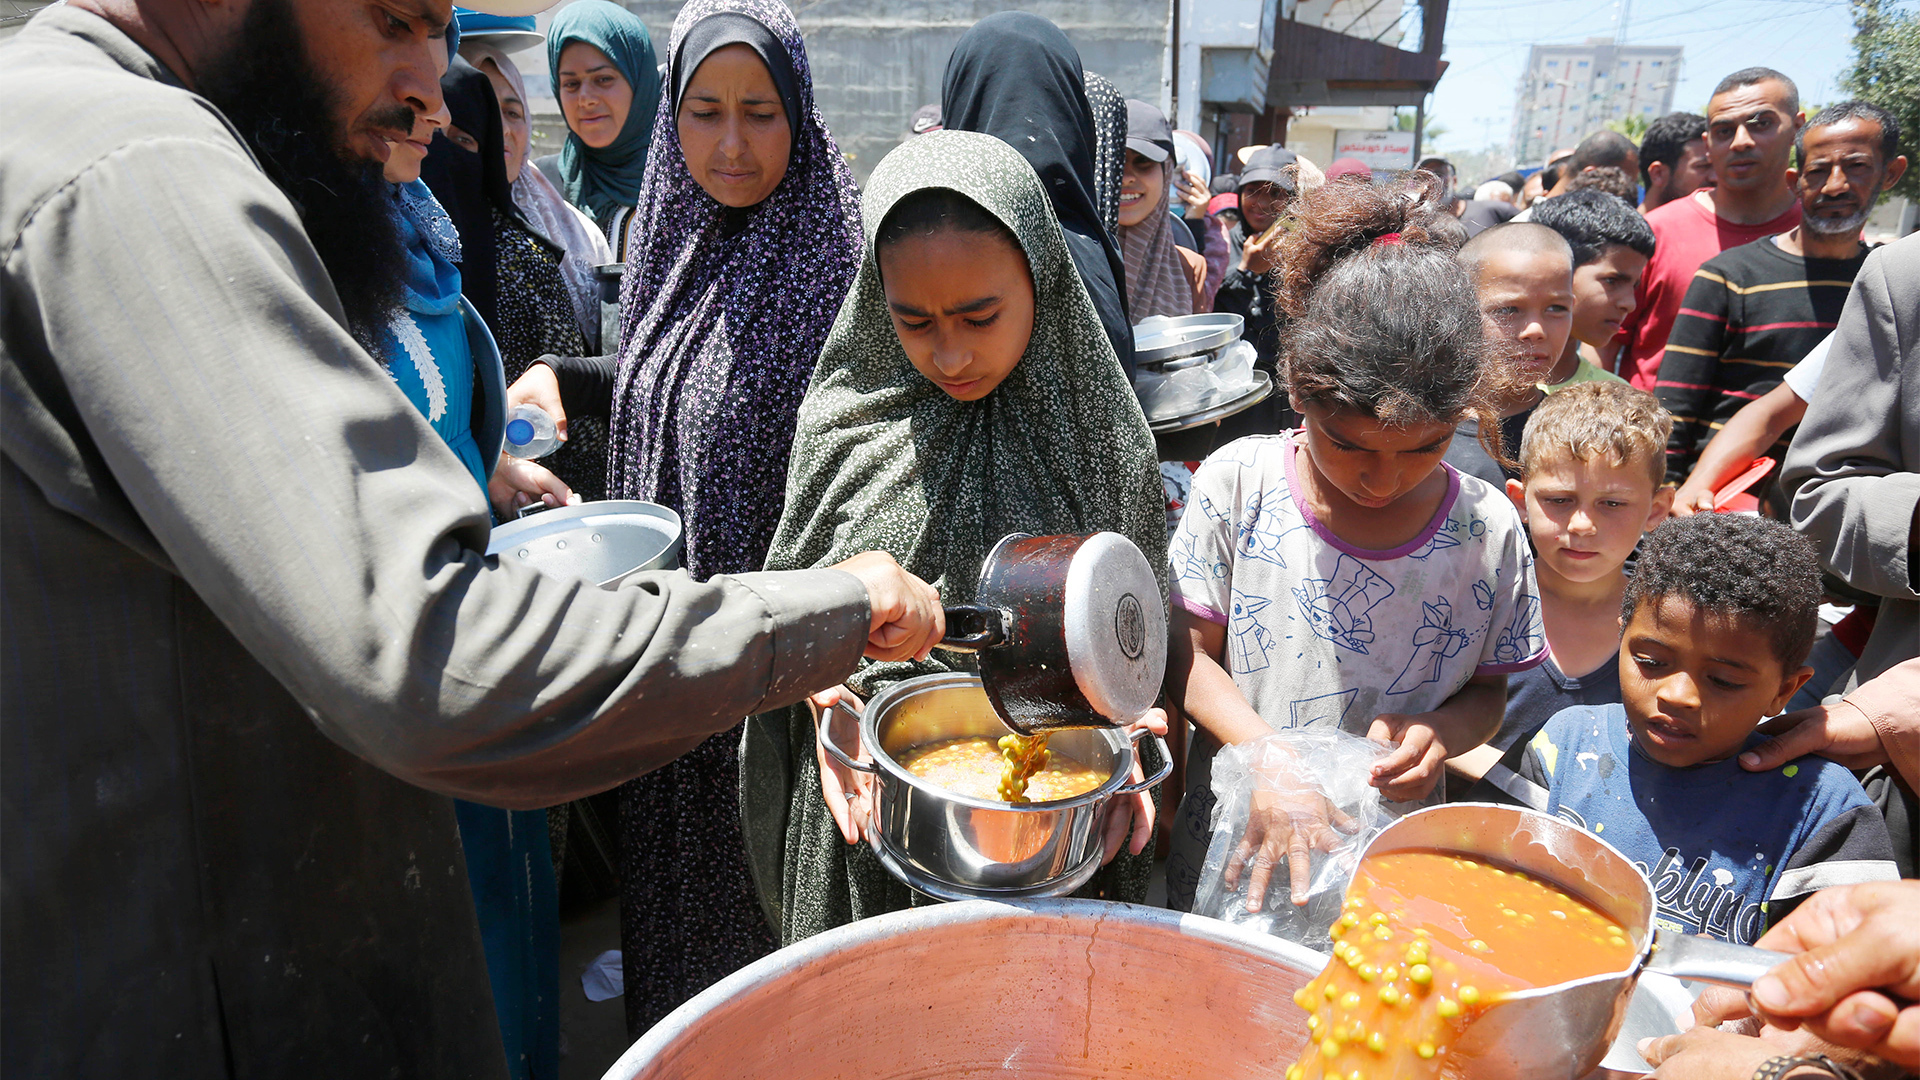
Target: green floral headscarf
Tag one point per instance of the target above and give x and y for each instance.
(884, 460)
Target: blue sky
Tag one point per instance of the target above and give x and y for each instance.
(1487, 40)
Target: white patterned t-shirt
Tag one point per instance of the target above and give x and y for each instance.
(1320, 631)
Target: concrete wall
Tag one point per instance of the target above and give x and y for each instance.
(876, 61)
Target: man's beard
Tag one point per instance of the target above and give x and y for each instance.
(267, 88)
(1852, 223)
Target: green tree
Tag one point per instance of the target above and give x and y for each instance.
(1886, 70)
(1633, 127)
(1405, 119)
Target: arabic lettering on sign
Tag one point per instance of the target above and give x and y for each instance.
(1375, 149)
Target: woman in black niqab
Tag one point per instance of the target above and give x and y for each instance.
(1016, 77)
(508, 270)
(466, 182)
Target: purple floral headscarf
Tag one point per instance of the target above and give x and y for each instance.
(724, 313)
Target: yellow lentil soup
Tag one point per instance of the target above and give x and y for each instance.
(1428, 941)
(979, 768)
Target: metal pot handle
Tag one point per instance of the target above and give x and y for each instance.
(826, 740)
(1684, 956)
(1165, 770)
(980, 627)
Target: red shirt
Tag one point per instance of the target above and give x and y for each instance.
(1686, 234)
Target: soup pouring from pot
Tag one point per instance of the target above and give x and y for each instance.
(1495, 943)
(1070, 633)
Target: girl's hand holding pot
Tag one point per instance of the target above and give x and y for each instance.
(1130, 819)
(848, 793)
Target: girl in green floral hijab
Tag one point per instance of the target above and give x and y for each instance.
(967, 391)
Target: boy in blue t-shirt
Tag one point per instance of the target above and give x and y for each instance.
(1717, 622)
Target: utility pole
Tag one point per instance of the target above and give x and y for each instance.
(1174, 91)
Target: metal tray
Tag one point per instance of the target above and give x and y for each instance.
(1262, 389)
(1186, 335)
(598, 542)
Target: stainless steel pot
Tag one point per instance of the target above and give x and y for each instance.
(1063, 989)
(954, 847)
(1562, 1031)
(1169, 338)
(1070, 630)
(601, 542)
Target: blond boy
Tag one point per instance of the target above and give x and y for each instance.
(1591, 465)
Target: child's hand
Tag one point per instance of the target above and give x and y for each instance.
(1290, 822)
(1417, 762)
(1129, 821)
(848, 794)
(1257, 255)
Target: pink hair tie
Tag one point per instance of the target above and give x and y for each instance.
(1389, 238)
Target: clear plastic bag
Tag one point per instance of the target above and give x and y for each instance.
(1193, 384)
(1298, 766)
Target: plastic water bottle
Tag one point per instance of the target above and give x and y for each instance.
(530, 433)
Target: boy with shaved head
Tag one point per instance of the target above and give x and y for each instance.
(1523, 276)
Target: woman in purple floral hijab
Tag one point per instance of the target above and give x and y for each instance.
(739, 272)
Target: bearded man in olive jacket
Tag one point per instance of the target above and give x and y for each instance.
(251, 642)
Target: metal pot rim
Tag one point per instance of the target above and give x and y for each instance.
(770, 970)
(906, 688)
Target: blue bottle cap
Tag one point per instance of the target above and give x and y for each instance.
(519, 431)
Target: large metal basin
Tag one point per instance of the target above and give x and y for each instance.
(1004, 989)
(1063, 988)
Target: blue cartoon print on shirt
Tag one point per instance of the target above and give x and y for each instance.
(1252, 642)
(1443, 539)
(1338, 607)
(1522, 639)
(1259, 539)
(1323, 709)
(1192, 564)
(1433, 642)
(1483, 596)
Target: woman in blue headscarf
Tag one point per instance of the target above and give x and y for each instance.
(607, 81)
(442, 356)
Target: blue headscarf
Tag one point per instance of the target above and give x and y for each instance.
(604, 181)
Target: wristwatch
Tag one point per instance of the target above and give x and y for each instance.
(1778, 1067)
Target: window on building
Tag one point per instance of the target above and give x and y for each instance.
(1583, 63)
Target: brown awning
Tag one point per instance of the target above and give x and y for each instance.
(1316, 66)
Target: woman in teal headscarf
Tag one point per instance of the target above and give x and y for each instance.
(607, 81)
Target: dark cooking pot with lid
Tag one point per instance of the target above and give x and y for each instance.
(1070, 631)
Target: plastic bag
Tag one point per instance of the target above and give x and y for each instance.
(1302, 761)
(1193, 384)
(605, 978)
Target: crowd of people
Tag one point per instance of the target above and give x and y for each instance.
(1476, 522)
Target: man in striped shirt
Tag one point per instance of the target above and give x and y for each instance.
(1755, 310)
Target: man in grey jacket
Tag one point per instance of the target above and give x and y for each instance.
(241, 580)
(1853, 473)
(1854, 468)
